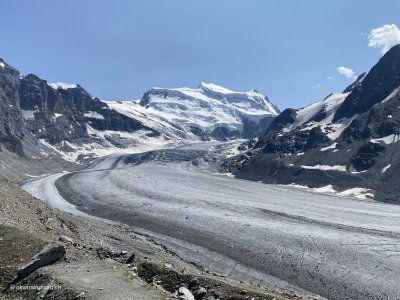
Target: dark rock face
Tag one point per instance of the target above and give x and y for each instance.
(382, 80)
(251, 128)
(288, 116)
(12, 144)
(11, 122)
(29, 105)
(315, 139)
(75, 108)
(224, 134)
(367, 156)
(379, 121)
(294, 141)
(366, 147)
(284, 144)
(355, 84)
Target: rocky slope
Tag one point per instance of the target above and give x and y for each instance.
(11, 125)
(67, 118)
(46, 123)
(347, 143)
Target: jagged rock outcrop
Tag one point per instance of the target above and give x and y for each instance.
(349, 140)
(377, 85)
(60, 118)
(11, 122)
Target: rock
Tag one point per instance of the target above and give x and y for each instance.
(50, 254)
(288, 116)
(367, 156)
(184, 294)
(380, 81)
(131, 258)
(65, 239)
(199, 293)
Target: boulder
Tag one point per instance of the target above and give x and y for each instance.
(49, 255)
(184, 294)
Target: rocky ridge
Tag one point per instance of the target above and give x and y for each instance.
(346, 143)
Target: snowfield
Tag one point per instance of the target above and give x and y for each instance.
(277, 236)
(177, 111)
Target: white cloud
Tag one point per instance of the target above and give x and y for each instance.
(317, 86)
(329, 78)
(384, 37)
(345, 71)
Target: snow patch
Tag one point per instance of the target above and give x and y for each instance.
(325, 189)
(62, 85)
(392, 94)
(28, 114)
(359, 193)
(333, 146)
(226, 174)
(393, 138)
(2, 65)
(326, 168)
(94, 115)
(386, 168)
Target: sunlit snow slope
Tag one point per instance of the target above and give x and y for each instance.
(209, 112)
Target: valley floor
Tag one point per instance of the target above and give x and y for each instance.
(97, 250)
(279, 237)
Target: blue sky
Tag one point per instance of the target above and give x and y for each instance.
(289, 50)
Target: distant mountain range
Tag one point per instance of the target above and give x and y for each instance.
(346, 144)
(42, 120)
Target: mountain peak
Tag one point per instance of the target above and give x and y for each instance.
(215, 88)
(378, 84)
(211, 111)
(2, 63)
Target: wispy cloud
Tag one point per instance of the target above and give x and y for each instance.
(329, 78)
(317, 86)
(345, 71)
(384, 37)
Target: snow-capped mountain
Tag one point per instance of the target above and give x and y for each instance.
(63, 121)
(350, 140)
(205, 113)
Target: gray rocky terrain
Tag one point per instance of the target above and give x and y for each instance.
(349, 140)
